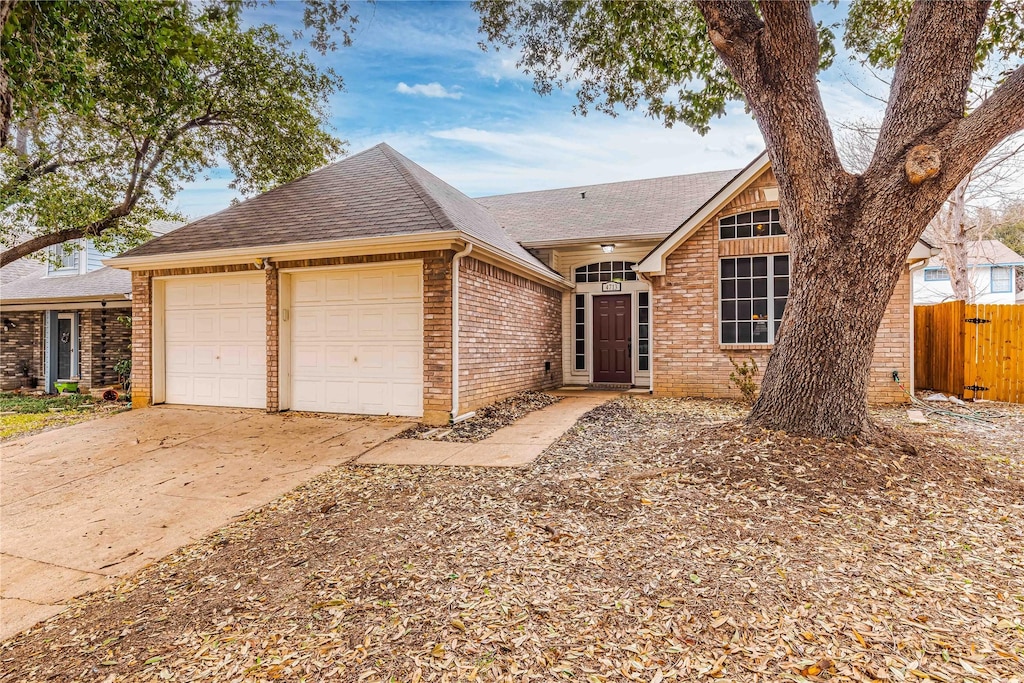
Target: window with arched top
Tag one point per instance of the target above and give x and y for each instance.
(606, 271)
(761, 223)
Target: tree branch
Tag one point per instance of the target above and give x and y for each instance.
(931, 77)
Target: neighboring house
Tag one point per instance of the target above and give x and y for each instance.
(60, 318)
(991, 267)
(334, 292)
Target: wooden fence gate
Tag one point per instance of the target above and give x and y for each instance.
(970, 350)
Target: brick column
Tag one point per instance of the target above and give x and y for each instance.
(142, 339)
(437, 337)
(273, 340)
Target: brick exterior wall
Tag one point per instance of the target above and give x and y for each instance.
(24, 341)
(142, 339)
(509, 328)
(687, 357)
(273, 340)
(102, 341)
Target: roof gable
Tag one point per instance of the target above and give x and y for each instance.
(654, 263)
(376, 193)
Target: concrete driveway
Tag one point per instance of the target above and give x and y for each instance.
(82, 505)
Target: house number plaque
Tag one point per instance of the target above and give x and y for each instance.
(611, 286)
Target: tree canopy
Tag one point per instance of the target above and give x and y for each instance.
(114, 104)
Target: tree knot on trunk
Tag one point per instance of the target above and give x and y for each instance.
(923, 162)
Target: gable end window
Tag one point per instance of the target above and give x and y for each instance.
(936, 275)
(606, 271)
(754, 291)
(64, 258)
(763, 223)
(1002, 279)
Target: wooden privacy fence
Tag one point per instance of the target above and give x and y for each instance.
(970, 350)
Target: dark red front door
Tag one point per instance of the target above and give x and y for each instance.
(612, 343)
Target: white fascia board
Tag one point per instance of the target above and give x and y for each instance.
(595, 241)
(290, 251)
(485, 252)
(654, 263)
(121, 301)
(922, 251)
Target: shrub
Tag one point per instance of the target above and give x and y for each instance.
(744, 377)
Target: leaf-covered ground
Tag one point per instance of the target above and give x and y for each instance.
(24, 414)
(658, 540)
(486, 420)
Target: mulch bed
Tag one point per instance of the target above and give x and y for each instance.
(658, 540)
(486, 421)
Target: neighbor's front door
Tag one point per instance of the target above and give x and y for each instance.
(613, 351)
(65, 345)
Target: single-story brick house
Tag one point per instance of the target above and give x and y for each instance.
(334, 292)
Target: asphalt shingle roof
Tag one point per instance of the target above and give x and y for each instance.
(38, 287)
(653, 207)
(984, 253)
(375, 193)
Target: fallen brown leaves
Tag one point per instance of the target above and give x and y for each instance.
(649, 544)
(486, 420)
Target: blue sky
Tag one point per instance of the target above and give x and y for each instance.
(416, 79)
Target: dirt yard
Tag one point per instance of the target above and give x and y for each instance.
(658, 540)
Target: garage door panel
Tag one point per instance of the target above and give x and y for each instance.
(339, 286)
(215, 341)
(371, 339)
(340, 322)
(407, 321)
(407, 286)
(306, 289)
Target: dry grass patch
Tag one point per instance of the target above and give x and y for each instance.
(651, 543)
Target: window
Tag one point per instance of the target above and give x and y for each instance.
(580, 326)
(606, 271)
(64, 257)
(753, 298)
(936, 275)
(750, 224)
(1002, 279)
(643, 342)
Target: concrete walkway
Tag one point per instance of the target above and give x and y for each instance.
(518, 444)
(82, 505)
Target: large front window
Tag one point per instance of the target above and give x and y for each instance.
(754, 290)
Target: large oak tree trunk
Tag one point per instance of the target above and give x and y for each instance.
(849, 234)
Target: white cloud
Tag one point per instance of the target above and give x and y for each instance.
(430, 90)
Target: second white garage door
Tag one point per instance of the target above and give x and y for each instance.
(357, 340)
(216, 340)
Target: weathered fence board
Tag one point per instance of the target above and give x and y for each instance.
(970, 350)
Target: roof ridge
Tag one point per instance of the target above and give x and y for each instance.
(733, 171)
(433, 206)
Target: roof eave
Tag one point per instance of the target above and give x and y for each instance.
(594, 240)
(654, 262)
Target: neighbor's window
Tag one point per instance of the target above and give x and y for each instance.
(643, 351)
(1002, 279)
(750, 224)
(64, 257)
(753, 298)
(606, 271)
(580, 337)
(936, 274)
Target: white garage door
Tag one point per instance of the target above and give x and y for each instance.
(215, 335)
(357, 340)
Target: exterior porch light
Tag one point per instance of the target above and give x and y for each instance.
(607, 248)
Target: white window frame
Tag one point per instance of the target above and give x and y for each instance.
(1009, 279)
(774, 218)
(936, 274)
(58, 253)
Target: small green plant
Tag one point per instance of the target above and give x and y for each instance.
(123, 368)
(125, 320)
(744, 378)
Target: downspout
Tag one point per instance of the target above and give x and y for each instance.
(650, 328)
(455, 335)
